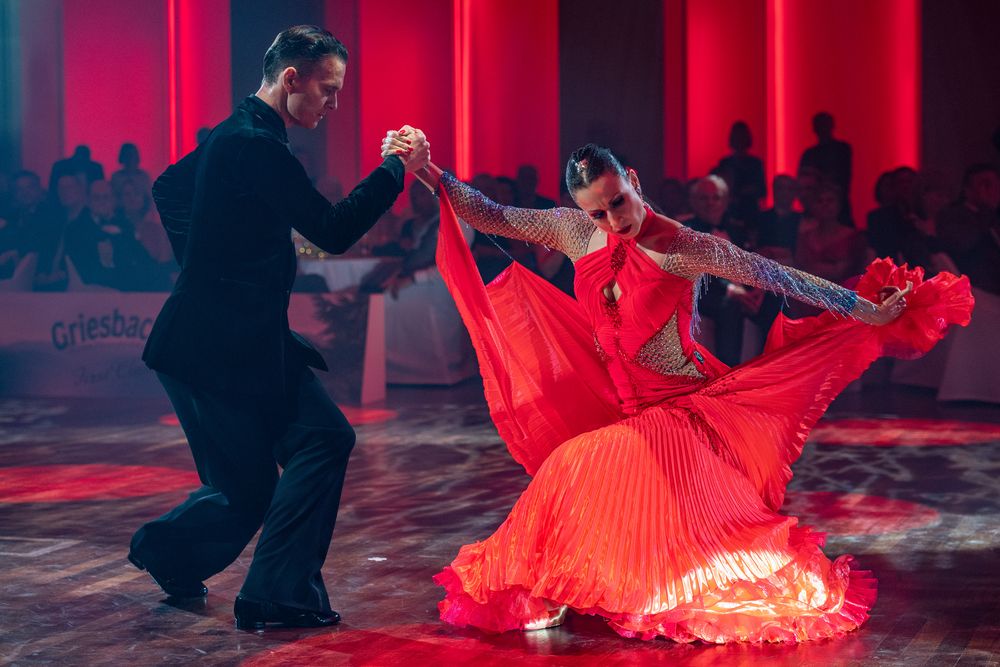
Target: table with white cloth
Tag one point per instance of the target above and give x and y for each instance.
(339, 272)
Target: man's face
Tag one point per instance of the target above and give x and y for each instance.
(102, 200)
(709, 201)
(984, 190)
(312, 96)
(527, 180)
(27, 192)
(785, 191)
(70, 191)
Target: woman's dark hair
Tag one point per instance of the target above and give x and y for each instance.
(128, 150)
(301, 47)
(589, 163)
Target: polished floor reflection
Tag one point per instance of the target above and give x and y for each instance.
(909, 486)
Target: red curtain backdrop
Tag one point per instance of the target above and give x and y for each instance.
(114, 77)
(41, 85)
(404, 66)
(514, 88)
(726, 78)
(859, 60)
(201, 93)
(491, 69)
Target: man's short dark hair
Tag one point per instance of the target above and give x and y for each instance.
(301, 47)
(24, 173)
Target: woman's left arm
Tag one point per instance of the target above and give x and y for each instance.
(693, 253)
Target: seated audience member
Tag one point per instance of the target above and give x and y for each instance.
(138, 210)
(9, 255)
(493, 254)
(418, 241)
(969, 230)
(71, 194)
(128, 158)
(722, 302)
(673, 199)
(807, 183)
(526, 195)
(104, 249)
(6, 196)
(890, 223)
(87, 241)
(826, 247)
(923, 248)
(776, 237)
(778, 229)
(506, 191)
(10, 237)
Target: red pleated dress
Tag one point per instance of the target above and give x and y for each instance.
(654, 495)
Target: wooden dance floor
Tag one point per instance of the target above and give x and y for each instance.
(909, 486)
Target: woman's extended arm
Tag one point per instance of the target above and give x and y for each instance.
(565, 229)
(693, 253)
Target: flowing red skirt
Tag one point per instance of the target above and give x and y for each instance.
(666, 522)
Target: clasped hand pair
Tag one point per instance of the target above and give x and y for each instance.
(410, 145)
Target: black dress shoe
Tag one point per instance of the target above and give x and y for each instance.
(255, 615)
(172, 586)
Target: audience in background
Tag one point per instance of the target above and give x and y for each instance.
(673, 200)
(113, 238)
(832, 158)
(139, 212)
(900, 228)
(969, 229)
(526, 195)
(826, 247)
(417, 245)
(744, 173)
(78, 163)
(721, 301)
(102, 246)
(128, 158)
(777, 228)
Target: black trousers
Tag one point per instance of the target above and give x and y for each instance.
(238, 442)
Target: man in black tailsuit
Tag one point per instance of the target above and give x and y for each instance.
(237, 376)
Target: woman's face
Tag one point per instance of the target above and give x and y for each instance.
(614, 204)
(827, 205)
(132, 199)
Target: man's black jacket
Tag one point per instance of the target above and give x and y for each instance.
(229, 208)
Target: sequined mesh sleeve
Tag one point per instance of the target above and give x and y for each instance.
(565, 229)
(694, 253)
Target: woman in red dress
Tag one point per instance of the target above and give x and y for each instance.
(658, 472)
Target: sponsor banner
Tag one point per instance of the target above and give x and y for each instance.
(90, 343)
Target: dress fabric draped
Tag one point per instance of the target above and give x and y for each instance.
(657, 471)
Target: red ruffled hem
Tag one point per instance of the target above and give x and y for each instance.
(790, 608)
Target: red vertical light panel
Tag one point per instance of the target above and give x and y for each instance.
(114, 71)
(201, 83)
(172, 76)
(858, 60)
(675, 88)
(726, 82)
(512, 87)
(343, 150)
(461, 61)
(404, 64)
